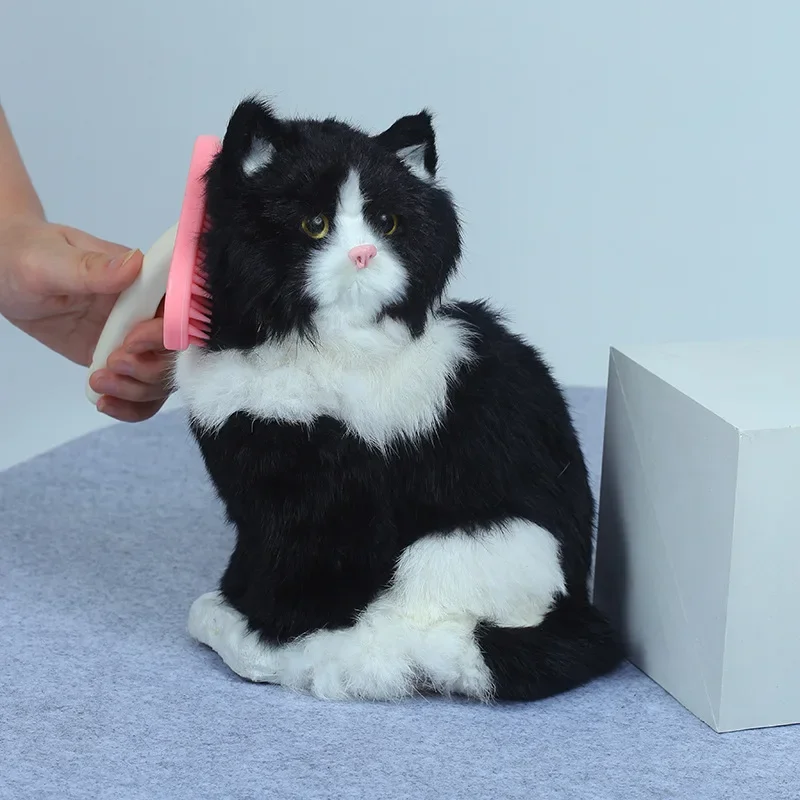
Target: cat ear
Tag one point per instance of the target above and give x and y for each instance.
(413, 140)
(253, 137)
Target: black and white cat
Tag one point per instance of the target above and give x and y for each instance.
(410, 502)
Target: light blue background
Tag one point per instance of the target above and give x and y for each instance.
(627, 171)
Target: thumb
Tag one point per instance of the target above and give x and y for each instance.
(95, 272)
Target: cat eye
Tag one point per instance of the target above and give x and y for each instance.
(387, 223)
(316, 227)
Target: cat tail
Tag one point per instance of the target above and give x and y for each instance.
(572, 645)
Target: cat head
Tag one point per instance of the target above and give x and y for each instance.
(316, 219)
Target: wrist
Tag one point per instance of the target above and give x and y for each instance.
(20, 218)
(18, 197)
(20, 205)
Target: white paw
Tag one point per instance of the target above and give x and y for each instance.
(382, 657)
(360, 663)
(219, 626)
(451, 662)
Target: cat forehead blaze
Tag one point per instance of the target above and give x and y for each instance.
(308, 215)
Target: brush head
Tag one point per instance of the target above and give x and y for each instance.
(187, 311)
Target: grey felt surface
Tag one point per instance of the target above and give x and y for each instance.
(105, 543)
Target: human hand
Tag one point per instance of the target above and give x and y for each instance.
(58, 285)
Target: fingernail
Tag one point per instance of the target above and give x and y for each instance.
(121, 261)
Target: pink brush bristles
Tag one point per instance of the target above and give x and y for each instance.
(187, 312)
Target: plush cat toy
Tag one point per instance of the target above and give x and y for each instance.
(410, 502)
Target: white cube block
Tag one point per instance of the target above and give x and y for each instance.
(698, 540)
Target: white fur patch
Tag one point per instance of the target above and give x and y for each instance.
(261, 153)
(418, 634)
(375, 379)
(335, 282)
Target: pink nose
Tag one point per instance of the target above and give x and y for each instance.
(362, 254)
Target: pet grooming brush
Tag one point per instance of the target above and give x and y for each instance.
(172, 270)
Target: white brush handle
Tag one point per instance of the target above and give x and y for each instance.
(138, 303)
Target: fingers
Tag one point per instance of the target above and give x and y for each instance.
(105, 267)
(123, 411)
(85, 241)
(135, 381)
(94, 272)
(73, 272)
(147, 368)
(53, 261)
(147, 337)
(108, 382)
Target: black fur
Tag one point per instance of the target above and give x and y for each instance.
(255, 222)
(320, 516)
(573, 645)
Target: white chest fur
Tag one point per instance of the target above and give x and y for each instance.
(375, 379)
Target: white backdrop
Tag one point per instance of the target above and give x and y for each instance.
(626, 171)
